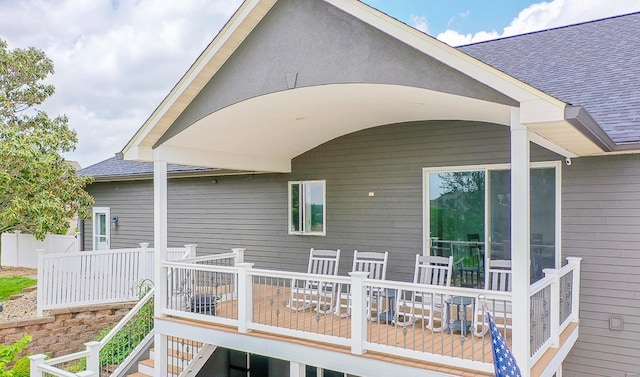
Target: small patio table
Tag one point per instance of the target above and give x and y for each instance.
(461, 323)
(388, 315)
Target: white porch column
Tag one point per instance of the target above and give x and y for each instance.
(520, 219)
(160, 255)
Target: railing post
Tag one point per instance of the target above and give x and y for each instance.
(93, 360)
(42, 283)
(245, 297)
(239, 254)
(143, 263)
(161, 345)
(575, 288)
(191, 250)
(554, 306)
(297, 369)
(77, 236)
(34, 365)
(358, 312)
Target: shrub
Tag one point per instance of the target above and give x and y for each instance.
(22, 368)
(10, 352)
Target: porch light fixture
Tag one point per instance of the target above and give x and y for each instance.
(114, 222)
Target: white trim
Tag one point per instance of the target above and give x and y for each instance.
(549, 145)
(236, 161)
(558, 240)
(201, 67)
(280, 349)
(107, 218)
(520, 240)
(302, 209)
(160, 195)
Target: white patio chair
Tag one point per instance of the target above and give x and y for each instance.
(424, 305)
(321, 295)
(375, 263)
(498, 277)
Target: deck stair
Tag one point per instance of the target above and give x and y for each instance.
(181, 354)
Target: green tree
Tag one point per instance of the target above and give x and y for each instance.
(39, 191)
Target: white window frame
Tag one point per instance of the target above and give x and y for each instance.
(107, 212)
(426, 218)
(301, 202)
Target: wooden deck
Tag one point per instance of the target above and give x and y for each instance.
(271, 308)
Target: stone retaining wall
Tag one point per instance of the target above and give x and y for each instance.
(64, 331)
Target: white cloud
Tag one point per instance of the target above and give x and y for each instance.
(545, 15)
(420, 23)
(114, 60)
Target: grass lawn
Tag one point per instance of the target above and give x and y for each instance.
(14, 284)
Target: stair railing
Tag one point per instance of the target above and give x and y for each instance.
(120, 347)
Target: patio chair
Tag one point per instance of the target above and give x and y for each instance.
(424, 305)
(498, 278)
(321, 295)
(375, 263)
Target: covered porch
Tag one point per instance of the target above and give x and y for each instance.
(543, 301)
(327, 144)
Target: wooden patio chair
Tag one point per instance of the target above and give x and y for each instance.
(375, 263)
(321, 295)
(498, 278)
(424, 305)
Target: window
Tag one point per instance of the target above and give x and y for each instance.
(468, 215)
(101, 230)
(307, 209)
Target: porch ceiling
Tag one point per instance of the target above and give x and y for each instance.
(266, 132)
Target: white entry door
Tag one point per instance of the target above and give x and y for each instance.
(101, 234)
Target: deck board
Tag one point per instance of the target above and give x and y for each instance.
(271, 308)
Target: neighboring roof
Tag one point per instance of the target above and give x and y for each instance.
(595, 64)
(114, 169)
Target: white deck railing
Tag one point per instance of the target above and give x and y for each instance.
(126, 337)
(256, 299)
(554, 305)
(96, 277)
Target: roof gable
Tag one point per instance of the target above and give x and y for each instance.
(535, 105)
(319, 44)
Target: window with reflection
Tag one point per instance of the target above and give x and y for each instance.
(307, 209)
(469, 217)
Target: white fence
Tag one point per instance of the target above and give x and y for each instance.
(19, 250)
(96, 277)
(97, 360)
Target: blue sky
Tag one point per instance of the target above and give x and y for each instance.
(118, 59)
(465, 16)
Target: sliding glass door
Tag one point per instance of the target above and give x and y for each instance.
(468, 216)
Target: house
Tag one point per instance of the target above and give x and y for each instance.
(328, 124)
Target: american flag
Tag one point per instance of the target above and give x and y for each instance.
(503, 360)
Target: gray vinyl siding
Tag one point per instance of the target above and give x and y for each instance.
(132, 202)
(251, 211)
(601, 224)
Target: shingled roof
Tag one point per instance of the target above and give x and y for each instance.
(594, 64)
(114, 169)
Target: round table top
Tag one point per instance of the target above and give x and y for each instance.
(460, 300)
